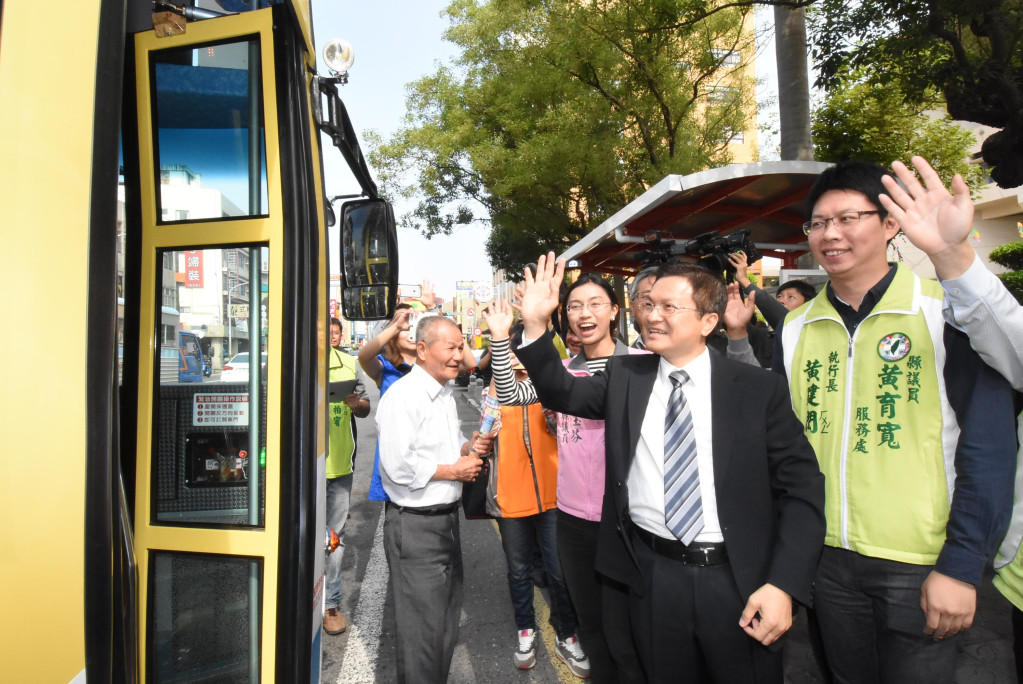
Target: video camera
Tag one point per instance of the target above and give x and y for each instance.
(711, 249)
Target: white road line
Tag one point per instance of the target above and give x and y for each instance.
(363, 645)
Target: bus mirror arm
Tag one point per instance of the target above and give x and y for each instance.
(338, 126)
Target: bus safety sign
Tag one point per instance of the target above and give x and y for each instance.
(220, 409)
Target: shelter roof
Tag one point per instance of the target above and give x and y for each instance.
(766, 197)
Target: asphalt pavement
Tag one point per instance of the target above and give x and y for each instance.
(365, 651)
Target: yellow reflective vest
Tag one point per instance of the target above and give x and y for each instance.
(340, 426)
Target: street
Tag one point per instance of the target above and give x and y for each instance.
(365, 651)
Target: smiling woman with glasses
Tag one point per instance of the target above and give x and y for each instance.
(591, 310)
(595, 306)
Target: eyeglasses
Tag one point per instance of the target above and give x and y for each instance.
(848, 218)
(646, 308)
(594, 307)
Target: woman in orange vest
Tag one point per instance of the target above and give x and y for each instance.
(524, 486)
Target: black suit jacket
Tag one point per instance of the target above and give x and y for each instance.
(770, 490)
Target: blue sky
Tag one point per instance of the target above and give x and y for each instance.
(397, 42)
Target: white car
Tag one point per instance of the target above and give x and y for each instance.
(237, 369)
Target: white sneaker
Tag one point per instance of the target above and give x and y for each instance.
(525, 657)
(570, 651)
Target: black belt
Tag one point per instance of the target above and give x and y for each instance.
(697, 553)
(442, 509)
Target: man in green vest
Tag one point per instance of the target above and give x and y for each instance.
(915, 436)
(341, 443)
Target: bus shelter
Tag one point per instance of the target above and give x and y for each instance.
(765, 197)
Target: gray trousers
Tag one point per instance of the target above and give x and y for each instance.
(424, 556)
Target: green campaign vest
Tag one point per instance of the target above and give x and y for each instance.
(873, 406)
(340, 434)
(1009, 561)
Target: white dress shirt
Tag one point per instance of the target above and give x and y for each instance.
(418, 429)
(646, 476)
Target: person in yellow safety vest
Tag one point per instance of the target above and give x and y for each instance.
(914, 433)
(341, 444)
(978, 303)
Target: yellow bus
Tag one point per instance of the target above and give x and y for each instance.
(163, 174)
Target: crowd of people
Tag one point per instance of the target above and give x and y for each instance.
(855, 460)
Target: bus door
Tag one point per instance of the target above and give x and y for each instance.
(228, 536)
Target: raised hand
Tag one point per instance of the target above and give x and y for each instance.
(427, 296)
(739, 263)
(499, 317)
(936, 221)
(399, 321)
(517, 297)
(540, 295)
(738, 314)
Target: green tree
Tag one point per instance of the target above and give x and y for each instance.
(863, 119)
(1010, 255)
(557, 114)
(969, 51)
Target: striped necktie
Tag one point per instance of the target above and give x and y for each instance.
(683, 505)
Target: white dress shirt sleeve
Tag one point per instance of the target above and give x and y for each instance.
(979, 304)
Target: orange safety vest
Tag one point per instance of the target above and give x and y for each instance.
(525, 463)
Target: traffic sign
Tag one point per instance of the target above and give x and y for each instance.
(477, 331)
(471, 313)
(483, 292)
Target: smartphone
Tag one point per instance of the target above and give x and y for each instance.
(413, 322)
(410, 291)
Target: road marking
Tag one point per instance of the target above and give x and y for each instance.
(363, 645)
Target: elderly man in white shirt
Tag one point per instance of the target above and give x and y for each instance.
(424, 459)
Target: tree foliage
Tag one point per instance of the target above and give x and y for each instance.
(969, 51)
(558, 113)
(863, 119)
(1010, 255)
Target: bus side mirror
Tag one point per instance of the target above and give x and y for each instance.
(369, 259)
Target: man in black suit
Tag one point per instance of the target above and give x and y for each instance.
(713, 509)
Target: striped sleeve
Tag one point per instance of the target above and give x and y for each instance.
(510, 392)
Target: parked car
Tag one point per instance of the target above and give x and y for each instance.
(237, 369)
(462, 379)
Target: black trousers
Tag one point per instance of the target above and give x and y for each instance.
(686, 625)
(601, 605)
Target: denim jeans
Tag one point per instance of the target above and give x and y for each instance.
(339, 492)
(519, 537)
(871, 623)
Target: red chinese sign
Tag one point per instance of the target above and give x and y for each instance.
(193, 268)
